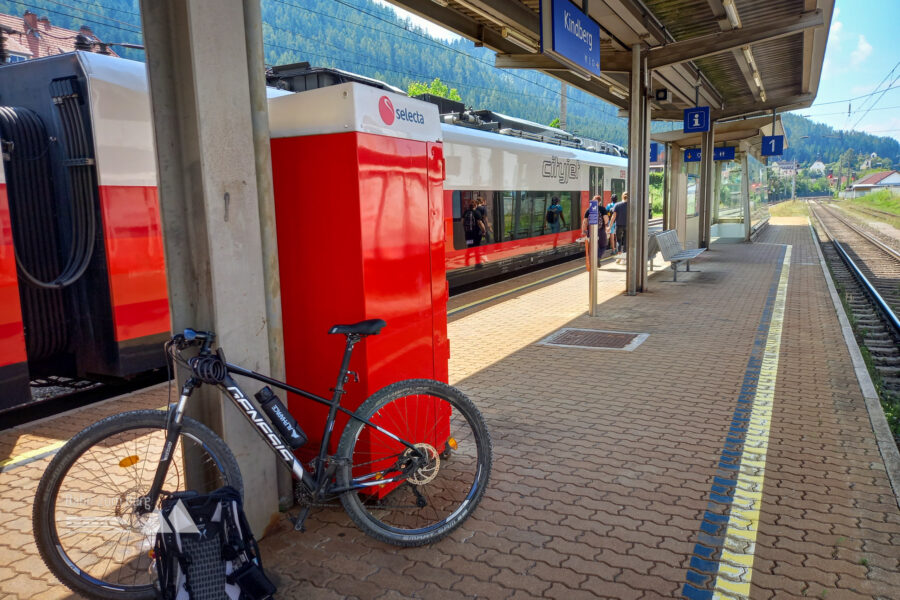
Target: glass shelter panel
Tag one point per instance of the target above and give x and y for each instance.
(759, 191)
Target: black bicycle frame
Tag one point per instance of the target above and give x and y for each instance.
(272, 437)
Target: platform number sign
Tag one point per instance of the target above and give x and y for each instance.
(772, 145)
(593, 213)
(696, 119)
(654, 152)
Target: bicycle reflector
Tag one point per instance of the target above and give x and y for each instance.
(452, 443)
(129, 461)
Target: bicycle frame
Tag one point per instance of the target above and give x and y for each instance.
(318, 484)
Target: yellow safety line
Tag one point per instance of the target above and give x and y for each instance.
(31, 454)
(736, 562)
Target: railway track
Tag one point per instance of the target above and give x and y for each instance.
(868, 271)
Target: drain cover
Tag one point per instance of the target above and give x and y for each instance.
(569, 337)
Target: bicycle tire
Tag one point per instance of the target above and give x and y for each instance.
(107, 488)
(437, 418)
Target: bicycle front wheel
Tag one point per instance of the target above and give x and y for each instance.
(413, 497)
(87, 525)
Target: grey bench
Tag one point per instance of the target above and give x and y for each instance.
(673, 252)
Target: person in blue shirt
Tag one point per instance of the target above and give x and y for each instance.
(612, 226)
(555, 215)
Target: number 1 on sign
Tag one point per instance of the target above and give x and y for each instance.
(772, 145)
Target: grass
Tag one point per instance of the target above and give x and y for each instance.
(789, 208)
(881, 200)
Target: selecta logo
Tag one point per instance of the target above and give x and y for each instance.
(386, 110)
(389, 114)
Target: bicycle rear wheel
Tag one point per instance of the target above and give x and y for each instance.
(438, 489)
(86, 525)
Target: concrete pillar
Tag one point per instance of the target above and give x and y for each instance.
(638, 158)
(707, 185)
(677, 183)
(745, 194)
(197, 63)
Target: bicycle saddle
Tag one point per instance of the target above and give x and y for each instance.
(370, 327)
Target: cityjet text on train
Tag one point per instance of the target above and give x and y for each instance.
(563, 170)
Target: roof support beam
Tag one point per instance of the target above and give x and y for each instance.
(506, 14)
(542, 61)
(739, 110)
(716, 43)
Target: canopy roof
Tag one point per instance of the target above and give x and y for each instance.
(748, 131)
(744, 57)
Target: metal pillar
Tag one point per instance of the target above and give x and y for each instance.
(707, 185)
(638, 157)
(199, 72)
(745, 194)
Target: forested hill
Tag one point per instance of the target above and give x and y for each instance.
(368, 38)
(809, 141)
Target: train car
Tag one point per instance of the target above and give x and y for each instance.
(518, 178)
(83, 229)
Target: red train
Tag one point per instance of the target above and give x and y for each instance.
(82, 273)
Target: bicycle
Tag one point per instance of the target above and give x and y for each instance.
(411, 465)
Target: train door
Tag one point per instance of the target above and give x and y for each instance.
(618, 187)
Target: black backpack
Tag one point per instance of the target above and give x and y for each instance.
(205, 549)
(552, 216)
(470, 224)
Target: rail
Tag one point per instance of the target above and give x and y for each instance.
(877, 299)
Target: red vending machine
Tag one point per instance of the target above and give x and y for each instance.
(358, 175)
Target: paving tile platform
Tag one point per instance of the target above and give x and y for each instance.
(616, 474)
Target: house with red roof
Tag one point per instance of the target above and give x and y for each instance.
(883, 180)
(30, 36)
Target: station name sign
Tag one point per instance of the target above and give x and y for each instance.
(570, 35)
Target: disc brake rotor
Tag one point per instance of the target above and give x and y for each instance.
(427, 472)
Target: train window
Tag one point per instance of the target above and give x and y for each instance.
(461, 201)
(618, 187)
(507, 205)
(595, 185)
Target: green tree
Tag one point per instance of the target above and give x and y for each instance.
(436, 88)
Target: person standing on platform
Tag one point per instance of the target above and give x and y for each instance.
(473, 229)
(555, 215)
(487, 231)
(602, 232)
(620, 218)
(612, 223)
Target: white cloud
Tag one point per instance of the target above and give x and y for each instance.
(862, 52)
(837, 27)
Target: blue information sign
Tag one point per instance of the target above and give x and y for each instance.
(724, 153)
(696, 119)
(593, 213)
(572, 34)
(772, 145)
(692, 155)
(654, 152)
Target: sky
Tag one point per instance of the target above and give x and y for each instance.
(862, 56)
